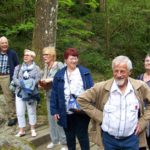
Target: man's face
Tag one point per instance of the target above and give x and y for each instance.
(4, 45)
(121, 74)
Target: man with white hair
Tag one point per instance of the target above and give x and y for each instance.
(117, 107)
(8, 61)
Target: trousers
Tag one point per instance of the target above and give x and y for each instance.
(57, 133)
(128, 143)
(10, 109)
(21, 107)
(77, 126)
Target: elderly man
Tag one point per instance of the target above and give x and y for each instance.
(8, 61)
(116, 105)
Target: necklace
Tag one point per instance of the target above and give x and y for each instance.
(49, 68)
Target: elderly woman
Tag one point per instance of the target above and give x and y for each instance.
(146, 78)
(68, 84)
(26, 78)
(51, 67)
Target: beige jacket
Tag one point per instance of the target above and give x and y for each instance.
(93, 100)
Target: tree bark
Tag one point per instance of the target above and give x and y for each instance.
(102, 5)
(44, 33)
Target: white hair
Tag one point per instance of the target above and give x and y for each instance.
(3, 38)
(32, 53)
(122, 59)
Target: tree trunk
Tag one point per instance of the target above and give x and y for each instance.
(107, 26)
(102, 5)
(45, 25)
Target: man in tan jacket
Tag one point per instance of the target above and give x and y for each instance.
(117, 108)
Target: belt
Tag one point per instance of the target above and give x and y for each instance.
(3, 74)
(120, 137)
(117, 137)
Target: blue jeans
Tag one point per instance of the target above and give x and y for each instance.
(77, 126)
(128, 143)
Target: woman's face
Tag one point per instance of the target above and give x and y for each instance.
(27, 58)
(71, 62)
(47, 58)
(147, 63)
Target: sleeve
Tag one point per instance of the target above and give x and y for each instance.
(60, 65)
(38, 74)
(90, 80)
(15, 58)
(54, 97)
(89, 101)
(16, 76)
(145, 116)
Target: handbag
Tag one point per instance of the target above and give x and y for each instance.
(12, 85)
(72, 104)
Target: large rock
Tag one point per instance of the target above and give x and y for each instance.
(9, 142)
(7, 139)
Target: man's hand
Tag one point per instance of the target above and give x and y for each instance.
(56, 117)
(138, 129)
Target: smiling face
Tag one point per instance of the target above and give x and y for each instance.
(71, 62)
(147, 63)
(4, 44)
(28, 59)
(121, 74)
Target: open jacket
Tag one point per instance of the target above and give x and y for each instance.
(93, 100)
(57, 100)
(30, 88)
(12, 60)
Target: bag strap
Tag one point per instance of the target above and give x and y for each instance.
(68, 82)
(18, 71)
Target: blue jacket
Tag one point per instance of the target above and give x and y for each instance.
(13, 61)
(57, 100)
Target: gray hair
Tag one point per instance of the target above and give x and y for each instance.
(148, 55)
(32, 53)
(122, 59)
(3, 38)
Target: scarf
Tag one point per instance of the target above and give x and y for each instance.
(26, 68)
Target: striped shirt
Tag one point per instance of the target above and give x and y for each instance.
(4, 65)
(120, 115)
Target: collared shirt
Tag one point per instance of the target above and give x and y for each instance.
(120, 115)
(4, 65)
(75, 85)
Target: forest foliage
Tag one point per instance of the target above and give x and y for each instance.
(122, 29)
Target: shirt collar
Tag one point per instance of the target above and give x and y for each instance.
(115, 88)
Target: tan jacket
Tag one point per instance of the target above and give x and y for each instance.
(93, 100)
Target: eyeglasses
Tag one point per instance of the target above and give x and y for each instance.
(46, 54)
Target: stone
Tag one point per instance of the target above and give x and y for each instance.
(12, 143)
(2, 111)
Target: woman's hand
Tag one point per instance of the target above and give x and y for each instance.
(56, 117)
(46, 83)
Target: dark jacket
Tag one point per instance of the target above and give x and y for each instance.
(13, 61)
(57, 100)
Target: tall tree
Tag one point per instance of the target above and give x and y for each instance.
(44, 33)
(102, 5)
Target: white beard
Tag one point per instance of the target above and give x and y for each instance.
(120, 82)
